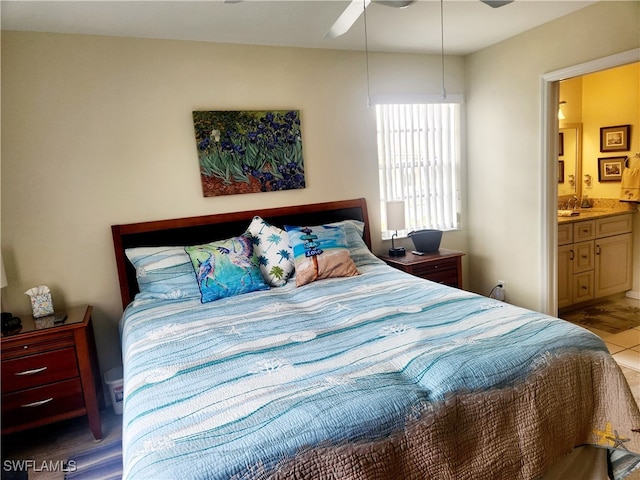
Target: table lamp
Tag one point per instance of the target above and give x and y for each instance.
(395, 221)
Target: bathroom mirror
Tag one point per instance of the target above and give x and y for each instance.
(570, 160)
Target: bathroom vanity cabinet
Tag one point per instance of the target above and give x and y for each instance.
(594, 258)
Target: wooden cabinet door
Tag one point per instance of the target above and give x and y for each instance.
(613, 264)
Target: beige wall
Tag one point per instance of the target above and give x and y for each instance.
(504, 109)
(98, 131)
(609, 98)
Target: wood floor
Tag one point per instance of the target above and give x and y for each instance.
(57, 442)
(64, 439)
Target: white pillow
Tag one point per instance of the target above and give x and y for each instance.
(271, 246)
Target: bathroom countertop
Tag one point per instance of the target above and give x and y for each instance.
(601, 208)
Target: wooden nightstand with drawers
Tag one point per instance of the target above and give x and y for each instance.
(50, 373)
(443, 266)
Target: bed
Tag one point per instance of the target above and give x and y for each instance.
(365, 374)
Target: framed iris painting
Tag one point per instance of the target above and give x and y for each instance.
(249, 151)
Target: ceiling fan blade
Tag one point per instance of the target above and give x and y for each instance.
(496, 3)
(347, 18)
(395, 3)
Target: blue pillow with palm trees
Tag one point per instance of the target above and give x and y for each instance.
(271, 247)
(226, 268)
(320, 252)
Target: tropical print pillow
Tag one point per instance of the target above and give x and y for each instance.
(320, 252)
(226, 268)
(358, 250)
(271, 247)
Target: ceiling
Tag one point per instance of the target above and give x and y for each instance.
(469, 25)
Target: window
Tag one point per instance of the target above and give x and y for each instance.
(419, 162)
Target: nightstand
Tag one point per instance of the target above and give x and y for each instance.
(443, 266)
(50, 373)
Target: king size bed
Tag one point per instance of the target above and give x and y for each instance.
(274, 344)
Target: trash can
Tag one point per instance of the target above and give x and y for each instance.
(113, 379)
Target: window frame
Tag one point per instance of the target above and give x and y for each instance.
(456, 161)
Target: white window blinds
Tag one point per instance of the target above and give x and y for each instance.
(419, 158)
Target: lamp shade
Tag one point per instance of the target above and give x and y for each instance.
(395, 215)
(3, 279)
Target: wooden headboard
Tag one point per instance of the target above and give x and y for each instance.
(208, 228)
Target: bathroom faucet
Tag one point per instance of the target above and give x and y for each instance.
(573, 202)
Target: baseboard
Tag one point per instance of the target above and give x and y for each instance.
(633, 294)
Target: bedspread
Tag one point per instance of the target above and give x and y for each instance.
(382, 375)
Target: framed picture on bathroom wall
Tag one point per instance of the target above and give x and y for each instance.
(560, 171)
(610, 169)
(561, 144)
(615, 139)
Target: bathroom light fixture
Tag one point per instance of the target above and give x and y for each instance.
(560, 112)
(395, 221)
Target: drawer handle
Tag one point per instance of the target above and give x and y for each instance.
(571, 255)
(585, 256)
(37, 404)
(31, 372)
(597, 249)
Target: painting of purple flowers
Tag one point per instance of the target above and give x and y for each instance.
(249, 151)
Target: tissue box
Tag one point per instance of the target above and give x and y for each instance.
(41, 305)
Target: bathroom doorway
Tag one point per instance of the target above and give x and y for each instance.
(615, 320)
(549, 164)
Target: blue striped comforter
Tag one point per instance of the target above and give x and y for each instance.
(232, 387)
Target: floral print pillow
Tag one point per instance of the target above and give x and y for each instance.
(271, 247)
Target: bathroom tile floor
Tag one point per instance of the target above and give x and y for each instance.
(625, 345)
(625, 349)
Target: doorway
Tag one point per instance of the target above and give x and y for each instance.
(549, 167)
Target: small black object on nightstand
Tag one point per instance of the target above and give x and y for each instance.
(10, 324)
